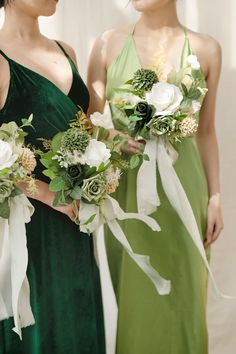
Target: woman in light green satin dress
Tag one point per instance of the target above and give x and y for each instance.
(149, 323)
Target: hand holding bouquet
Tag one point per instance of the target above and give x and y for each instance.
(85, 171)
(162, 112)
(162, 108)
(17, 163)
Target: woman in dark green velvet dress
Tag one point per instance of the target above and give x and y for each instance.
(39, 76)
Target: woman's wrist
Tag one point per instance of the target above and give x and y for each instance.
(215, 198)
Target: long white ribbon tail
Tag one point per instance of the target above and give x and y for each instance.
(147, 195)
(178, 199)
(109, 213)
(14, 286)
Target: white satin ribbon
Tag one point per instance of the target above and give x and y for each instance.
(162, 153)
(14, 286)
(109, 213)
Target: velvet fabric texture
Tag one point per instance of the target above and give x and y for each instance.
(62, 272)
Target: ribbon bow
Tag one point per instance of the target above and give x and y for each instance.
(109, 212)
(14, 286)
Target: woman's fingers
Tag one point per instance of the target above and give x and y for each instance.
(218, 228)
(210, 231)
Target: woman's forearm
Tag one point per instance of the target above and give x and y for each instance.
(42, 194)
(208, 148)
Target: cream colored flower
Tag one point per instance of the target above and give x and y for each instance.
(96, 153)
(196, 106)
(112, 176)
(188, 126)
(7, 157)
(102, 120)
(28, 160)
(166, 98)
(193, 62)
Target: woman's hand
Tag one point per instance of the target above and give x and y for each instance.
(215, 222)
(69, 210)
(130, 146)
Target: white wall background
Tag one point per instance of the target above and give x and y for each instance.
(78, 22)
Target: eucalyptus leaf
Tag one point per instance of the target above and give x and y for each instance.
(76, 193)
(134, 161)
(56, 141)
(49, 173)
(57, 184)
(134, 118)
(16, 191)
(92, 217)
(4, 209)
(146, 157)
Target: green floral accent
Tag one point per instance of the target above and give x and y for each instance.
(162, 125)
(6, 188)
(94, 188)
(74, 140)
(144, 79)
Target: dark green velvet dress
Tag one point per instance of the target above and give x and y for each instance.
(63, 275)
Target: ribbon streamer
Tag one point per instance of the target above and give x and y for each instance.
(163, 155)
(14, 286)
(109, 212)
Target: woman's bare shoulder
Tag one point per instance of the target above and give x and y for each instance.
(207, 49)
(204, 43)
(111, 42)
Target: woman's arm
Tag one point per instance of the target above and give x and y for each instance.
(97, 76)
(43, 194)
(207, 141)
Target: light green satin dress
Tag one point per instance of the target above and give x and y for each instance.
(149, 323)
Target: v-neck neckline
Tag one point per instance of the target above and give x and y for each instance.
(41, 76)
(181, 52)
(47, 79)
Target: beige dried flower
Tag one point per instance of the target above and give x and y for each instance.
(188, 126)
(112, 176)
(28, 160)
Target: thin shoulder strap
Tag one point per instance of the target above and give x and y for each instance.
(63, 49)
(4, 56)
(186, 50)
(133, 30)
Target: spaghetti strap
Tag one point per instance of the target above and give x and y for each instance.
(4, 55)
(187, 50)
(133, 30)
(63, 49)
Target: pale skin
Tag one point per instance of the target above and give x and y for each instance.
(159, 27)
(21, 40)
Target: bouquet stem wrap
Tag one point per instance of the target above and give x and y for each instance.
(14, 286)
(109, 212)
(163, 155)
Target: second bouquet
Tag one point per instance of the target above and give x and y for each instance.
(85, 171)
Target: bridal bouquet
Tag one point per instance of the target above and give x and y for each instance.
(86, 171)
(163, 111)
(17, 163)
(168, 108)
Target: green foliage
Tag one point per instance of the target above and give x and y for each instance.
(4, 209)
(134, 161)
(76, 193)
(56, 142)
(144, 79)
(57, 184)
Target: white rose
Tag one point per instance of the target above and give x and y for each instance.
(7, 158)
(193, 62)
(196, 106)
(166, 98)
(101, 120)
(96, 153)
